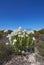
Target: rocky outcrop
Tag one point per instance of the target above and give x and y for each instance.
(4, 39)
(29, 59)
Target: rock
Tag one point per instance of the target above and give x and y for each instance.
(23, 60)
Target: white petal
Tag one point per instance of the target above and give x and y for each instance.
(14, 40)
(7, 43)
(33, 38)
(22, 52)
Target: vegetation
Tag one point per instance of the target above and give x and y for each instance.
(41, 31)
(36, 34)
(20, 43)
(1, 33)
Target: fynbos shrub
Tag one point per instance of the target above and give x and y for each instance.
(21, 41)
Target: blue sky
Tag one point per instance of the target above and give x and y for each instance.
(28, 14)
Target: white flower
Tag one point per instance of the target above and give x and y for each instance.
(7, 43)
(15, 32)
(33, 38)
(13, 43)
(9, 38)
(20, 36)
(19, 33)
(14, 40)
(26, 35)
(23, 52)
(19, 50)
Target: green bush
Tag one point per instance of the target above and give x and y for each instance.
(22, 40)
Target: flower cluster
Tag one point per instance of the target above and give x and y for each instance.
(21, 38)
